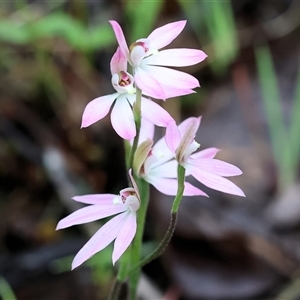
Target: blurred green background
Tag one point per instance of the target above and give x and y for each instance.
(54, 59)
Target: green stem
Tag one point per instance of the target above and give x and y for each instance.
(137, 118)
(115, 291)
(133, 254)
(178, 198)
(161, 247)
(174, 215)
(137, 242)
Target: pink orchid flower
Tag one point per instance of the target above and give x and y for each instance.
(122, 118)
(157, 165)
(201, 165)
(149, 74)
(121, 228)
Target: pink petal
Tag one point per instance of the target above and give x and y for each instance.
(97, 109)
(122, 119)
(118, 62)
(120, 38)
(176, 57)
(136, 55)
(147, 131)
(169, 187)
(90, 214)
(155, 113)
(215, 182)
(216, 166)
(173, 136)
(206, 153)
(125, 236)
(171, 78)
(187, 137)
(164, 35)
(102, 238)
(95, 198)
(183, 126)
(149, 85)
(190, 190)
(172, 92)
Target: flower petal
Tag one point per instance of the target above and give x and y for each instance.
(125, 236)
(95, 198)
(155, 113)
(118, 62)
(136, 55)
(190, 190)
(169, 186)
(122, 119)
(166, 170)
(120, 37)
(176, 57)
(173, 136)
(149, 85)
(147, 131)
(215, 182)
(206, 153)
(89, 214)
(102, 238)
(171, 78)
(187, 138)
(97, 109)
(216, 166)
(164, 35)
(184, 125)
(172, 92)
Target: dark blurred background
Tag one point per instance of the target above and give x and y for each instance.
(54, 59)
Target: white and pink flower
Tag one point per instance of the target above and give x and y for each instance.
(122, 118)
(121, 228)
(201, 165)
(148, 62)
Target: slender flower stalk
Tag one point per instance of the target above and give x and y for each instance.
(173, 221)
(137, 118)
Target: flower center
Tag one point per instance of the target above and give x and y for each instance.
(124, 79)
(128, 193)
(141, 44)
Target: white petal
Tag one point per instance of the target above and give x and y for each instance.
(125, 236)
(122, 119)
(176, 57)
(97, 109)
(216, 166)
(169, 187)
(102, 238)
(95, 198)
(90, 214)
(215, 182)
(155, 113)
(206, 153)
(166, 170)
(164, 35)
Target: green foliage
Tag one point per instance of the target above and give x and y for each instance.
(141, 15)
(6, 292)
(285, 141)
(214, 21)
(101, 265)
(57, 25)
